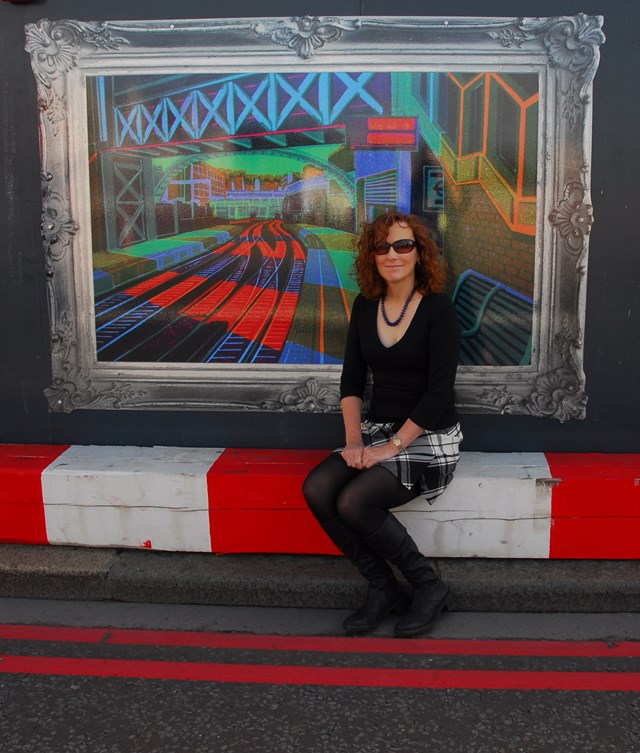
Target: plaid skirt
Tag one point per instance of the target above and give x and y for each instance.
(426, 465)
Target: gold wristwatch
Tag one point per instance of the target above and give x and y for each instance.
(397, 442)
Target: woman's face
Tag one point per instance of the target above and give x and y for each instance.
(392, 266)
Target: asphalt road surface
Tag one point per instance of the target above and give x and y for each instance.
(126, 678)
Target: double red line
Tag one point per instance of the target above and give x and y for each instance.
(320, 675)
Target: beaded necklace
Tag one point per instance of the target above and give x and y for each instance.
(402, 313)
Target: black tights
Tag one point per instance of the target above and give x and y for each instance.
(360, 498)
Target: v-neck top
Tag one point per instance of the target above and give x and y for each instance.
(414, 378)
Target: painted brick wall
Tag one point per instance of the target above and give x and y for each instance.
(474, 231)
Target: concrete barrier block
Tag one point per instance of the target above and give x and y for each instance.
(147, 497)
(496, 506)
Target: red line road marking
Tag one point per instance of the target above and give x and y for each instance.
(441, 647)
(335, 676)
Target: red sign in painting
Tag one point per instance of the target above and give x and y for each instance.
(382, 133)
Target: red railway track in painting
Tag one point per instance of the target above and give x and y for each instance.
(293, 674)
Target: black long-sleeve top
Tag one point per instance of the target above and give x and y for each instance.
(415, 377)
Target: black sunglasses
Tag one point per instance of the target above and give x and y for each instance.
(403, 246)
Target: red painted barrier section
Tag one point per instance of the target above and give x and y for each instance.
(249, 493)
(595, 508)
(22, 519)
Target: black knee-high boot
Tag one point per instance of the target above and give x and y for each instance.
(430, 594)
(385, 593)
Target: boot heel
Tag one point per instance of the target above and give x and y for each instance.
(380, 601)
(428, 603)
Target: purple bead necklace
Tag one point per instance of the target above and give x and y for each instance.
(402, 313)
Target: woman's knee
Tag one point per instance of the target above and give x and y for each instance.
(326, 479)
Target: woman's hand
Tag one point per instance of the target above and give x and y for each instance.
(373, 455)
(352, 455)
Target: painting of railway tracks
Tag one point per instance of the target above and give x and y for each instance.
(225, 208)
(259, 297)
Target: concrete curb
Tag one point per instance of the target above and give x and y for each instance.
(306, 581)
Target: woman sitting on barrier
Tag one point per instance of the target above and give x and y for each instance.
(405, 331)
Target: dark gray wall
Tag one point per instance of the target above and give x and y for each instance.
(612, 354)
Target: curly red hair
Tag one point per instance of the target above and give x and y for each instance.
(430, 272)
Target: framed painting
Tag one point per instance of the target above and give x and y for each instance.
(204, 183)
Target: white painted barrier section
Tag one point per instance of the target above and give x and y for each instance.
(498, 505)
(153, 497)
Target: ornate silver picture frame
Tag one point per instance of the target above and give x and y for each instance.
(480, 73)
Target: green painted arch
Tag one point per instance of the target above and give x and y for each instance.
(293, 155)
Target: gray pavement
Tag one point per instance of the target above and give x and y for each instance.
(620, 626)
(304, 581)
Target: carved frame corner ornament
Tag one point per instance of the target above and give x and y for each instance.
(564, 50)
(558, 393)
(572, 44)
(72, 386)
(54, 47)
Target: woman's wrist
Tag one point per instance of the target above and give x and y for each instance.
(353, 435)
